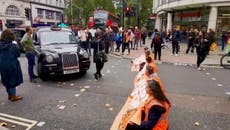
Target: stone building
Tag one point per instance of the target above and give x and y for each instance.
(186, 14)
(12, 13)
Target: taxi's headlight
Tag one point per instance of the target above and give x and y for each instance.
(85, 55)
(49, 58)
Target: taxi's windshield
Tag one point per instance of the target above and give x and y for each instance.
(57, 37)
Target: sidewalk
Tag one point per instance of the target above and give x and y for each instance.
(212, 60)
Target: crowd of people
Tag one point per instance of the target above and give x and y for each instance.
(199, 41)
(116, 40)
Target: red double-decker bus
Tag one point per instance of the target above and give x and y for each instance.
(103, 19)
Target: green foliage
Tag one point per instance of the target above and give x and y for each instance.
(83, 9)
(145, 9)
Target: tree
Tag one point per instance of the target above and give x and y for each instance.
(145, 9)
(83, 9)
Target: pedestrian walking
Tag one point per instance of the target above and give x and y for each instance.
(155, 110)
(118, 41)
(223, 40)
(175, 42)
(143, 36)
(137, 37)
(201, 47)
(157, 44)
(28, 45)
(89, 41)
(191, 39)
(98, 47)
(127, 42)
(10, 68)
(82, 34)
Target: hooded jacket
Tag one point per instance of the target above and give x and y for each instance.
(10, 69)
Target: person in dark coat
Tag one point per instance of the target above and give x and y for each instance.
(10, 69)
(175, 42)
(157, 44)
(98, 45)
(201, 47)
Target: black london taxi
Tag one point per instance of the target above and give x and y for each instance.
(58, 52)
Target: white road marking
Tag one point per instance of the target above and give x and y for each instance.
(40, 124)
(18, 120)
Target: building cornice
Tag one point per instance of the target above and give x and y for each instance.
(185, 4)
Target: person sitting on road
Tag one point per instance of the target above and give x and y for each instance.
(155, 110)
(151, 63)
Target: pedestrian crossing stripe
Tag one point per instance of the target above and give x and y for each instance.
(18, 120)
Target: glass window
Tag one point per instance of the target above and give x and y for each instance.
(49, 14)
(63, 37)
(40, 13)
(58, 16)
(12, 11)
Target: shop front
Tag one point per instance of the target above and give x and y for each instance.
(187, 19)
(223, 20)
(13, 23)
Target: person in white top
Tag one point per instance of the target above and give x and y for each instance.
(83, 38)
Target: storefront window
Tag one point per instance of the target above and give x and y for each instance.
(49, 14)
(58, 16)
(40, 13)
(223, 20)
(192, 19)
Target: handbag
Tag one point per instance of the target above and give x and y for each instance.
(101, 55)
(213, 46)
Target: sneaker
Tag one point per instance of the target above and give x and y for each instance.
(100, 75)
(176, 54)
(199, 68)
(172, 54)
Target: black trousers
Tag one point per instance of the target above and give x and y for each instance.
(175, 47)
(157, 51)
(190, 45)
(201, 55)
(143, 40)
(124, 45)
(107, 45)
(99, 66)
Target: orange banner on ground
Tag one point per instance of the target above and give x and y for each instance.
(131, 110)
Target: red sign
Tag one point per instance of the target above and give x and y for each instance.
(189, 14)
(153, 16)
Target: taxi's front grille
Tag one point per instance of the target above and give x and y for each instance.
(69, 60)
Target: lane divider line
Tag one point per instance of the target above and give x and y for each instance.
(18, 120)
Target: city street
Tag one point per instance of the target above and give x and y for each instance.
(80, 103)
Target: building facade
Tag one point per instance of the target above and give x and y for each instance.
(186, 14)
(12, 13)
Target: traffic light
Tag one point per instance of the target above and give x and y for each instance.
(27, 13)
(127, 11)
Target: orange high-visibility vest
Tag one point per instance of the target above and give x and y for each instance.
(153, 64)
(162, 123)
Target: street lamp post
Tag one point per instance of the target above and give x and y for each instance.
(123, 14)
(137, 13)
(71, 11)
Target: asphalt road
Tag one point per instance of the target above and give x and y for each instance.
(196, 96)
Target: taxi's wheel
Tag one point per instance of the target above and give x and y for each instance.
(41, 73)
